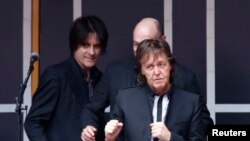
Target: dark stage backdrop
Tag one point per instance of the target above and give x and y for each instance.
(120, 18)
(189, 45)
(189, 37)
(10, 63)
(56, 19)
(232, 47)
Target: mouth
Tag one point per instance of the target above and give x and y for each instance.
(159, 80)
(91, 59)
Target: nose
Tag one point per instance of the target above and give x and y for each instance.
(157, 71)
(92, 50)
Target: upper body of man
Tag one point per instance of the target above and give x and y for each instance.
(64, 88)
(156, 109)
(122, 74)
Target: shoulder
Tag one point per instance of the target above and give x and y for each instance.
(133, 94)
(184, 95)
(55, 68)
(133, 91)
(58, 70)
(131, 88)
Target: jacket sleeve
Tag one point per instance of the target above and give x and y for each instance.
(196, 132)
(187, 80)
(206, 119)
(117, 114)
(43, 105)
(196, 127)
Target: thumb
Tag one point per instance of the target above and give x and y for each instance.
(120, 124)
(119, 127)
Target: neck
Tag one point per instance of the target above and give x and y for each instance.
(163, 91)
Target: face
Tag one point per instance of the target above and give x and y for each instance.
(156, 69)
(87, 54)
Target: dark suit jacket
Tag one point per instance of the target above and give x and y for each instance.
(57, 103)
(134, 109)
(122, 74)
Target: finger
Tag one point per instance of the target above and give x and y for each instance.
(119, 127)
(88, 134)
(91, 130)
(120, 124)
(111, 125)
(154, 126)
(156, 129)
(117, 130)
(109, 128)
(85, 137)
(113, 122)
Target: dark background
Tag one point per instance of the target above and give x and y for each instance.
(232, 45)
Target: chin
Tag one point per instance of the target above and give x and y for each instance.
(88, 66)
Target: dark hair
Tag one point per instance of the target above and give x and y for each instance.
(82, 27)
(155, 46)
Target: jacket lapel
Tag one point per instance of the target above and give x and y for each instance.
(149, 97)
(77, 83)
(171, 107)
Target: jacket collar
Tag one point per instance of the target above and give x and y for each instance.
(95, 72)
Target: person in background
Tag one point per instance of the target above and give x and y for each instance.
(155, 109)
(64, 88)
(122, 74)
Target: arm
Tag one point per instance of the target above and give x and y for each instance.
(43, 104)
(187, 80)
(206, 119)
(196, 126)
(92, 114)
(117, 115)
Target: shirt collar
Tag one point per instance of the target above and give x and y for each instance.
(95, 73)
(169, 93)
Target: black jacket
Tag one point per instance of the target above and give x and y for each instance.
(134, 109)
(57, 103)
(123, 74)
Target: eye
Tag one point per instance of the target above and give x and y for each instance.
(85, 45)
(149, 67)
(162, 65)
(97, 46)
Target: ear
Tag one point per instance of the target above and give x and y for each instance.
(142, 72)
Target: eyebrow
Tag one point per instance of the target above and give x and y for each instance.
(135, 42)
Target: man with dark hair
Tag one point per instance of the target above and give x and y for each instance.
(65, 87)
